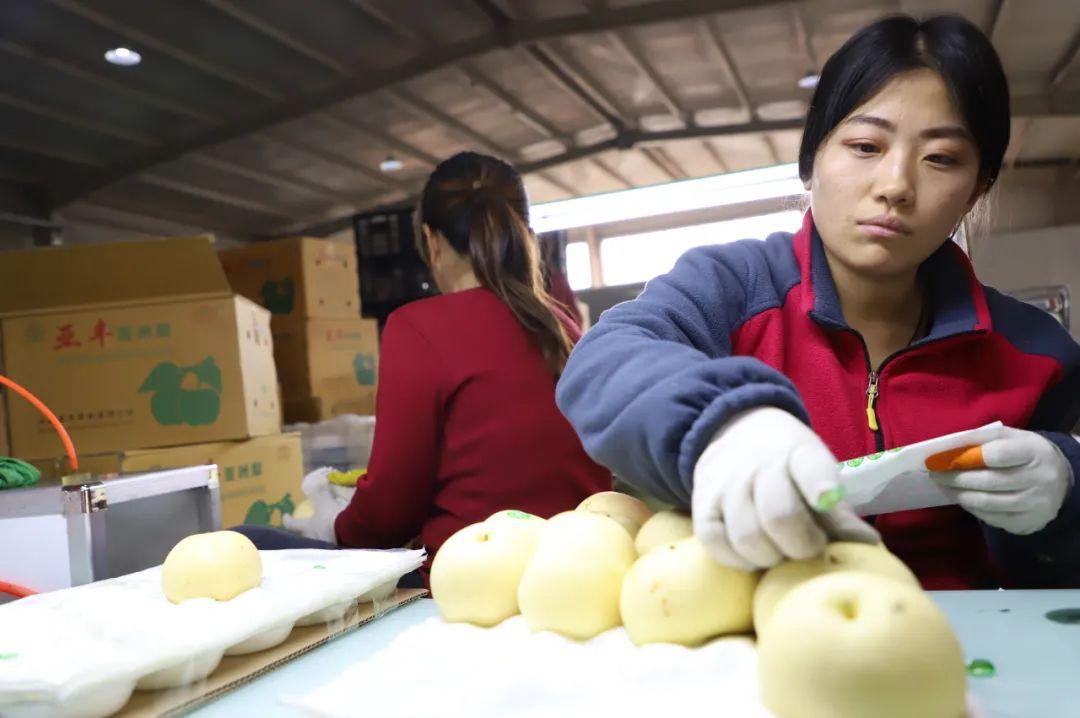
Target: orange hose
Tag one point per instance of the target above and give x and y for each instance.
(14, 589)
(38, 404)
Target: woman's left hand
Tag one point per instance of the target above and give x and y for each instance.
(327, 499)
(1022, 488)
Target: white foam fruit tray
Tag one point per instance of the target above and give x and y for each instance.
(81, 652)
(471, 672)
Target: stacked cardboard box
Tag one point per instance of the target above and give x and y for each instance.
(138, 347)
(327, 356)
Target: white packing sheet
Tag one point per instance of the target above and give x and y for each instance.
(455, 670)
(64, 643)
(898, 480)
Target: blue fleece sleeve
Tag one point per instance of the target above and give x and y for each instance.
(1049, 558)
(650, 384)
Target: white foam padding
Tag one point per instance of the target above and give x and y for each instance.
(73, 652)
(455, 670)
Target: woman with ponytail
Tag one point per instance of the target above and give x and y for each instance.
(466, 422)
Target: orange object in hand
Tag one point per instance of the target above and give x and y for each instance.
(965, 458)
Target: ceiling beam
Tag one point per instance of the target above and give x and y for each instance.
(530, 117)
(158, 213)
(727, 66)
(79, 72)
(993, 18)
(82, 123)
(577, 83)
(633, 138)
(663, 162)
(612, 172)
(773, 152)
(526, 115)
(33, 148)
(1064, 65)
(352, 125)
(433, 114)
(190, 59)
(802, 35)
(636, 55)
(213, 195)
(714, 153)
(1020, 128)
(288, 182)
(77, 121)
(277, 34)
(260, 118)
(331, 158)
(374, 12)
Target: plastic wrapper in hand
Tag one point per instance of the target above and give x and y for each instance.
(81, 651)
(898, 480)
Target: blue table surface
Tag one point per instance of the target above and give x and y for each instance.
(1037, 660)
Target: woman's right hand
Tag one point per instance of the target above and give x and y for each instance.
(756, 487)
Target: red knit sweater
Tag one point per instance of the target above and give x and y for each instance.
(466, 425)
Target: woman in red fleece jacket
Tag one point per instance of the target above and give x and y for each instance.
(466, 422)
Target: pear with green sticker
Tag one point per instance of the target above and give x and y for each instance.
(475, 574)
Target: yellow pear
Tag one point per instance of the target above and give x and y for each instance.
(677, 593)
(572, 582)
(219, 565)
(475, 574)
(854, 645)
(661, 528)
(631, 513)
(839, 556)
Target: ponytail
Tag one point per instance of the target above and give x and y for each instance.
(506, 260)
(479, 204)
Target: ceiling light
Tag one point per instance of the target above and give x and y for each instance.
(123, 56)
(391, 164)
(809, 81)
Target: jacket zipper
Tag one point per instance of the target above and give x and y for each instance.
(873, 421)
(871, 397)
(873, 387)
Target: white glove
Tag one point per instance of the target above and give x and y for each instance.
(753, 488)
(1023, 487)
(328, 499)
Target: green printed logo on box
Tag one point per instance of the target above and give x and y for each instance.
(364, 366)
(185, 395)
(262, 514)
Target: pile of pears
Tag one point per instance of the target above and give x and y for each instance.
(847, 634)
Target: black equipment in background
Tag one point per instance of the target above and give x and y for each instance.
(391, 271)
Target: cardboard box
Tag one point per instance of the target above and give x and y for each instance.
(177, 361)
(331, 363)
(301, 277)
(259, 478)
(313, 409)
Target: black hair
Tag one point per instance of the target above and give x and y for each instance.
(480, 205)
(951, 46)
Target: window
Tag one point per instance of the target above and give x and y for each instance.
(723, 190)
(640, 257)
(578, 265)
